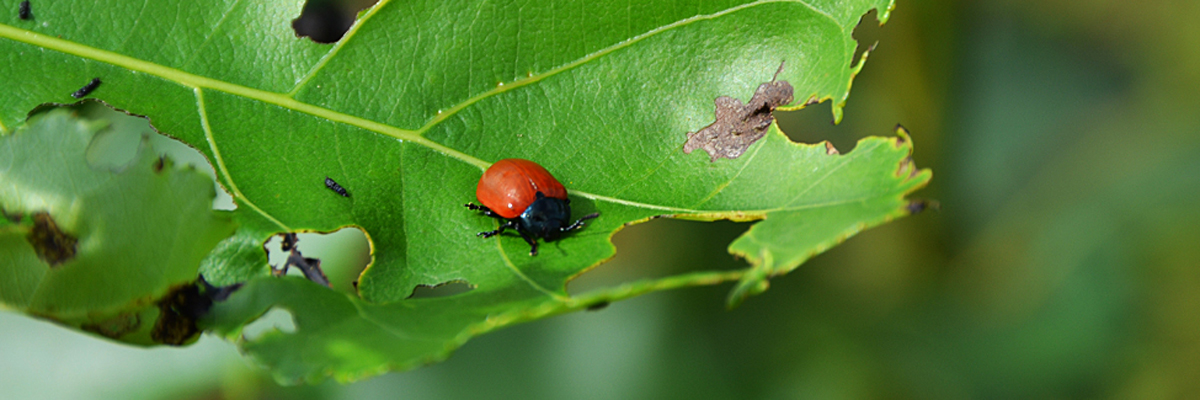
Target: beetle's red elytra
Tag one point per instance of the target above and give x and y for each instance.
(528, 199)
(510, 185)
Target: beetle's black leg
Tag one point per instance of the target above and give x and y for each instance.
(488, 234)
(486, 211)
(579, 222)
(532, 242)
(506, 225)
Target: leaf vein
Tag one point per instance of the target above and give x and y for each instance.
(220, 161)
(845, 160)
(689, 211)
(216, 28)
(517, 271)
(136, 21)
(602, 52)
(358, 307)
(720, 188)
(193, 81)
(337, 47)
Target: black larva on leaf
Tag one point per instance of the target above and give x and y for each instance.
(334, 186)
(86, 89)
(23, 10)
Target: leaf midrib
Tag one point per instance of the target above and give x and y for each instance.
(193, 82)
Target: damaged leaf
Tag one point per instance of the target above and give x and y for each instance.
(395, 114)
(103, 244)
(790, 235)
(740, 125)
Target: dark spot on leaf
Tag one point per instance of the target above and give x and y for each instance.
(598, 306)
(12, 217)
(86, 89)
(177, 313)
(183, 306)
(158, 165)
(443, 289)
(114, 327)
(905, 167)
(51, 244)
(738, 125)
(23, 11)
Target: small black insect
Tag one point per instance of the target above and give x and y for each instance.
(23, 11)
(86, 89)
(334, 186)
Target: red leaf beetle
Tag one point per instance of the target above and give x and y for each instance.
(528, 199)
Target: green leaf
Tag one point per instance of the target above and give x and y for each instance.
(841, 198)
(419, 97)
(344, 336)
(87, 250)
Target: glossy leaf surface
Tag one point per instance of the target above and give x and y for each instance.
(409, 108)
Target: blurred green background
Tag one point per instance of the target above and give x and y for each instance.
(1065, 142)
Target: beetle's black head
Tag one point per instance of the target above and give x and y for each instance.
(545, 218)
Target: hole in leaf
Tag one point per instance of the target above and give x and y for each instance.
(276, 254)
(115, 146)
(661, 248)
(867, 33)
(326, 21)
(814, 123)
(441, 290)
(343, 254)
(276, 319)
